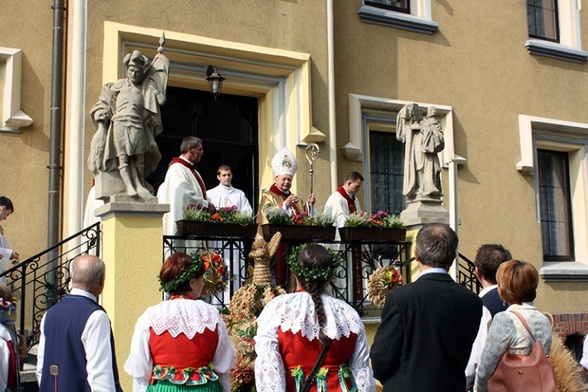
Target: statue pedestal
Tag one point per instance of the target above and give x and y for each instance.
(423, 210)
(132, 244)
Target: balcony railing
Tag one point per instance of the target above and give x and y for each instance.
(42, 280)
(357, 261)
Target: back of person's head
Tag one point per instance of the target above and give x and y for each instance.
(87, 272)
(488, 259)
(353, 176)
(5, 292)
(223, 168)
(314, 271)
(177, 272)
(517, 282)
(7, 203)
(189, 141)
(436, 245)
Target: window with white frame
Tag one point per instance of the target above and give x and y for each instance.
(555, 205)
(542, 19)
(555, 152)
(412, 15)
(554, 30)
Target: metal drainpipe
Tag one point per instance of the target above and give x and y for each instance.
(55, 134)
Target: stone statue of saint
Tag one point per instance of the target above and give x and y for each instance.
(127, 117)
(423, 140)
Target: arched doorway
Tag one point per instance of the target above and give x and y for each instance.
(228, 126)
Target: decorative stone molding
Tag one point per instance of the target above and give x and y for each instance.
(555, 50)
(397, 20)
(13, 118)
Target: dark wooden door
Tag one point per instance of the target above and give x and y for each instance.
(228, 128)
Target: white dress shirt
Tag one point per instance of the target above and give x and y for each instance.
(6, 253)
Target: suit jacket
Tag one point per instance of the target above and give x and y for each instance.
(426, 336)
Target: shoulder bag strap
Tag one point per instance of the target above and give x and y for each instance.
(317, 365)
(520, 316)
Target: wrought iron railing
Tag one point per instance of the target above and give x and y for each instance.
(357, 261)
(42, 280)
(467, 274)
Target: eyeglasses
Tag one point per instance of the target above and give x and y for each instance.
(199, 149)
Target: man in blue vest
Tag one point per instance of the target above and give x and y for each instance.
(76, 349)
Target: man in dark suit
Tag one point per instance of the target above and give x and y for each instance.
(428, 327)
(488, 259)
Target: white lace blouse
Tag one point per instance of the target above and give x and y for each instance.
(181, 316)
(295, 313)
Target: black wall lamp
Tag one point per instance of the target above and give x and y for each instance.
(215, 80)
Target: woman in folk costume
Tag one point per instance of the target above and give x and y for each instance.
(9, 356)
(293, 328)
(181, 344)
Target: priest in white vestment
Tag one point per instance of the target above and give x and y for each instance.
(183, 185)
(225, 195)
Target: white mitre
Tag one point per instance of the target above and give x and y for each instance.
(284, 162)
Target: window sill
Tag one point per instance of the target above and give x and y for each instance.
(397, 20)
(565, 271)
(556, 51)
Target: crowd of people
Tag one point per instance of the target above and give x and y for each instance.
(305, 338)
(435, 335)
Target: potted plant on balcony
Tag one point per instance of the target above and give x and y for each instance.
(298, 227)
(380, 227)
(225, 222)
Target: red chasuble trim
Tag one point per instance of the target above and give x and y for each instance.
(284, 196)
(189, 166)
(350, 201)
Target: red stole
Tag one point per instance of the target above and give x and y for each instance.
(189, 166)
(284, 196)
(350, 201)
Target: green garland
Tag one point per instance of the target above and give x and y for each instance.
(314, 273)
(188, 273)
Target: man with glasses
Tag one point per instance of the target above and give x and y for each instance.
(183, 185)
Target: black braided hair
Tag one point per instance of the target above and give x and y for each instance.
(316, 256)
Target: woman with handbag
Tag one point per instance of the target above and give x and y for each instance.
(309, 338)
(513, 335)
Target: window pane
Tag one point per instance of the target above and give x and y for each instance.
(396, 5)
(555, 205)
(387, 173)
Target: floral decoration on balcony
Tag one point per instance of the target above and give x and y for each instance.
(380, 219)
(278, 216)
(382, 281)
(216, 275)
(200, 213)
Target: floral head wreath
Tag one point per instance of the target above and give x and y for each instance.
(190, 272)
(311, 274)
